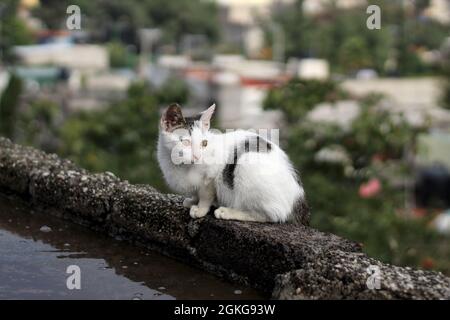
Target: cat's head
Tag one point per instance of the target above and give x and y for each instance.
(185, 137)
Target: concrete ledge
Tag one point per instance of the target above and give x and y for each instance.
(297, 261)
(344, 275)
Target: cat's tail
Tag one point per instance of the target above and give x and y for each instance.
(300, 212)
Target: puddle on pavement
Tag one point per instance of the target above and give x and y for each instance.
(36, 249)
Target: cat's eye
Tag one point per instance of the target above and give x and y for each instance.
(186, 142)
(204, 143)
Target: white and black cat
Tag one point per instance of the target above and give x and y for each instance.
(247, 177)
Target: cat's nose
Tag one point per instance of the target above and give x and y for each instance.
(196, 157)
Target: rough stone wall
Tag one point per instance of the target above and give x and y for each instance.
(289, 261)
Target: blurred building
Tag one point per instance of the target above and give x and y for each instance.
(315, 7)
(239, 26)
(76, 76)
(309, 68)
(237, 85)
(240, 88)
(416, 98)
(341, 113)
(246, 12)
(24, 12)
(65, 54)
(433, 148)
(4, 80)
(439, 10)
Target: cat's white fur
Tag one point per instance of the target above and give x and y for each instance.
(266, 187)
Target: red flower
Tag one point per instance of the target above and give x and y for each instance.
(370, 189)
(427, 263)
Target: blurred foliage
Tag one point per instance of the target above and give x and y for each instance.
(298, 97)
(118, 55)
(9, 103)
(446, 94)
(121, 20)
(38, 125)
(446, 81)
(173, 90)
(341, 36)
(33, 123)
(333, 36)
(413, 33)
(121, 138)
(375, 139)
(13, 31)
(354, 54)
(380, 133)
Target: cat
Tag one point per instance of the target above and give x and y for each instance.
(246, 176)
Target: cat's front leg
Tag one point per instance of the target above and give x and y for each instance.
(206, 196)
(189, 202)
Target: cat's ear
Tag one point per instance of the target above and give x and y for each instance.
(206, 116)
(172, 118)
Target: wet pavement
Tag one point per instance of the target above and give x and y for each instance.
(37, 249)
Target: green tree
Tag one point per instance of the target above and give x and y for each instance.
(445, 73)
(38, 125)
(9, 103)
(121, 138)
(13, 31)
(117, 55)
(294, 23)
(377, 132)
(446, 84)
(120, 20)
(173, 90)
(298, 97)
(341, 36)
(354, 54)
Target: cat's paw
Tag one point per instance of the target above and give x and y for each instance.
(198, 212)
(221, 213)
(188, 202)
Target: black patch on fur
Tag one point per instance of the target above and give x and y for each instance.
(175, 120)
(189, 122)
(250, 144)
(228, 171)
(300, 212)
(254, 144)
(228, 175)
(173, 117)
